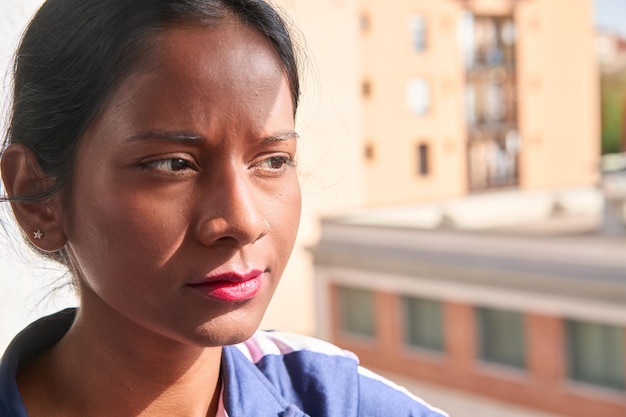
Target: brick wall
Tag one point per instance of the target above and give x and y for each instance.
(543, 385)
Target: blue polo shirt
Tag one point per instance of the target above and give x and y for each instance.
(271, 374)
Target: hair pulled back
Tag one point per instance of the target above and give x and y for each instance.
(75, 53)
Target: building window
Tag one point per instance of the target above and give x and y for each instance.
(418, 33)
(595, 353)
(356, 311)
(369, 152)
(423, 323)
(366, 88)
(418, 94)
(487, 41)
(364, 22)
(488, 44)
(423, 166)
(501, 337)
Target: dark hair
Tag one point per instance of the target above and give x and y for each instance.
(75, 53)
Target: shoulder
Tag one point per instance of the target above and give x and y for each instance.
(379, 394)
(273, 343)
(34, 339)
(320, 377)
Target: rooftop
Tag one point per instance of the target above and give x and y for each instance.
(537, 242)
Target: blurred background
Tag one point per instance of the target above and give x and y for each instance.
(464, 185)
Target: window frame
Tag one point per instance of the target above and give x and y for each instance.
(485, 336)
(419, 84)
(409, 301)
(418, 36)
(424, 159)
(573, 372)
(344, 321)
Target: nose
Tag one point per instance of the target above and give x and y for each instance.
(232, 211)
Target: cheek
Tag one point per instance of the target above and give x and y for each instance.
(118, 233)
(286, 216)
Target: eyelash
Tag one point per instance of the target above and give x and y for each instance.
(286, 162)
(158, 164)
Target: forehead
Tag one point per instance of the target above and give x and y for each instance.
(227, 48)
(200, 75)
(227, 55)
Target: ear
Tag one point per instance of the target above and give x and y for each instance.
(23, 177)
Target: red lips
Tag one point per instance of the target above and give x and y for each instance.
(231, 286)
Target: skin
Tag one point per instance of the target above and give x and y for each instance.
(186, 173)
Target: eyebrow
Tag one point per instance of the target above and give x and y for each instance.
(186, 137)
(171, 136)
(280, 137)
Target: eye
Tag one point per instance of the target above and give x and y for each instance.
(275, 164)
(170, 164)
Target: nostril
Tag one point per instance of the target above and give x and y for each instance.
(231, 231)
(226, 240)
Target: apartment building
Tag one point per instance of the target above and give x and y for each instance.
(467, 96)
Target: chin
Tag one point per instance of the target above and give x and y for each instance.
(227, 331)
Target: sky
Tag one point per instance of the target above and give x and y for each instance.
(611, 14)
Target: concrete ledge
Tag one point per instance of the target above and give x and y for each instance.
(485, 211)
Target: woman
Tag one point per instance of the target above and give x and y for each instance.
(152, 151)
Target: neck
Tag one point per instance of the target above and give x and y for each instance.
(116, 367)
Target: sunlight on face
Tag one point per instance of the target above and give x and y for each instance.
(186, 203)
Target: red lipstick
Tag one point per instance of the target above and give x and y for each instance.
(231, 286)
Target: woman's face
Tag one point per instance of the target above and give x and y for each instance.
(185, 202)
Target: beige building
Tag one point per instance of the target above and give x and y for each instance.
(463, 96)
(409, 101)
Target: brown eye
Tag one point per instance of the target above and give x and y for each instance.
(274, 165)
(170, 164)
(178, 164)
(277, 162)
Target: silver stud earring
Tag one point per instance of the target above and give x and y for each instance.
(38, 234)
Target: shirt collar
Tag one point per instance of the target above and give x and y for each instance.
(248, 392)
